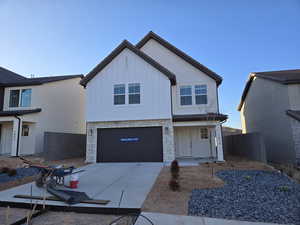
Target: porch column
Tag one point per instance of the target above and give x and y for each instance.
(16, 130)
(219, 143)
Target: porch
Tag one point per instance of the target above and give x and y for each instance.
(198, 138)
(17, 134)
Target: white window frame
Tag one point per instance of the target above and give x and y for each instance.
(113, 101)
(193, 95)
(127, 94)
(134, 93)
(20, 98)
(200, 94)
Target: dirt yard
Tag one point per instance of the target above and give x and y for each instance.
(14, 162)
(53, 218)
(162, 199)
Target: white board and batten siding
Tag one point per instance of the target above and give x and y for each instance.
(186, 74)
(127, 68)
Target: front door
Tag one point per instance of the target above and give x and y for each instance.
(6, 138)
(193, 142)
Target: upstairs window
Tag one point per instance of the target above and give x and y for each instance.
(119, 94)
(14, 98)
(134, 93)
(20, 98)
(200, 94)
(186, 95)
(26, 98)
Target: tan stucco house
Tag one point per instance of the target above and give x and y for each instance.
(29, 107)
(270, 105)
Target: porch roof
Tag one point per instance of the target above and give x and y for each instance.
(200, 117)
(19, 112)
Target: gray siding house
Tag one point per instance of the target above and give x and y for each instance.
(270, 105)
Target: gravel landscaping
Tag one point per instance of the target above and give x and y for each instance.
(258, 196)
(21, 173)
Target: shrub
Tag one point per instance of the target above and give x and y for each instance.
(12, 172)
(174, 166)
(174, 185)
(175, 175)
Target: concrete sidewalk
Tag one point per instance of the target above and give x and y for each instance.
(126, 185)
(169, 219)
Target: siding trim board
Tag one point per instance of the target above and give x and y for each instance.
(181, 54)
(117, 51)
(200, 117)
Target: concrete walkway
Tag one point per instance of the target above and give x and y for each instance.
(126, 185)
(169, 219)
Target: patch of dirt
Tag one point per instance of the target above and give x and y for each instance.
(54, 218)
(161, 199)
(11, 215)
(72, 218)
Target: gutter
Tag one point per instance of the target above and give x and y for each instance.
(18, 136)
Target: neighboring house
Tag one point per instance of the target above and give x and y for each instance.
(270, 105)
(227, 131)
(31, 106)
(152, 103)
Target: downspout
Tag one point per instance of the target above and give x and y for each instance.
(18, 136)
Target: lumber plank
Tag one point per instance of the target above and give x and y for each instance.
(53, 198)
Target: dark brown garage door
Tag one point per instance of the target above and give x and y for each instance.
(141, 144)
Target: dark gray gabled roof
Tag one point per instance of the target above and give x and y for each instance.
(181, 54)
(7, 76)
(200, 117)
(281, 76)
(294, 114)
(12, 79)
(19, 112)
(117, 51)
(41, 80)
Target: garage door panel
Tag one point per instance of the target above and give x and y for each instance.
(130, 145)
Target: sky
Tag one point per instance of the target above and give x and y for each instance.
(230, 37)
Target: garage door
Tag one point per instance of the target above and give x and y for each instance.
(141, 144)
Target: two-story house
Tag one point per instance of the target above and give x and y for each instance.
(151, 103)
(270, 105)
(31, 106)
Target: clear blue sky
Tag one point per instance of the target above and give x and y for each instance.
(231, 37)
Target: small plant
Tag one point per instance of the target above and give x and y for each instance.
(175, 175)
(174, 185)
(248, 177)
(284, 188)
(174, 166)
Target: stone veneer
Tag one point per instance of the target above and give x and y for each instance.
(167, 130)
(296, 137)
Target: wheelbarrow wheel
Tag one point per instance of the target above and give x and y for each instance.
(40, 181)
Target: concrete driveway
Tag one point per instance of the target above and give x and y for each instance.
(126, 185)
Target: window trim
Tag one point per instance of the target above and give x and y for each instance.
(134, 93)
(193, 95)
(20, 98)
(200, 94)
(25, 126)
(127, 94)
(119, 94)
